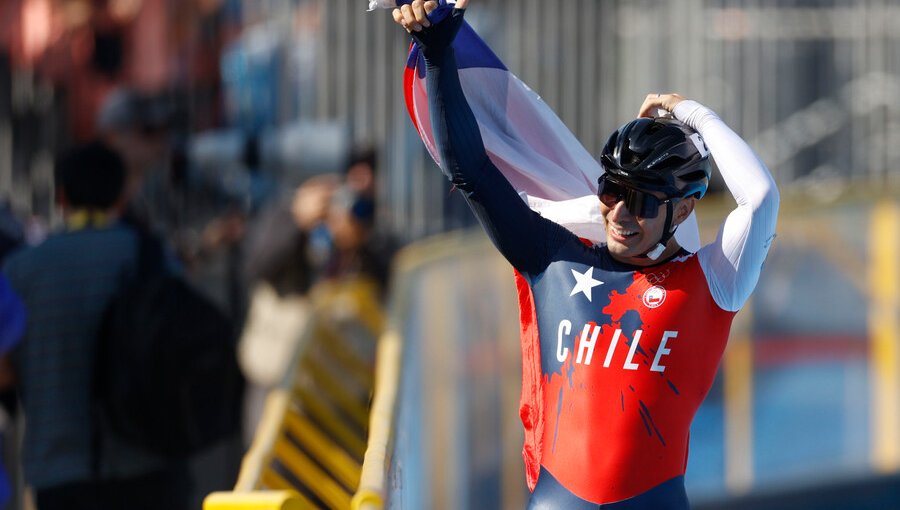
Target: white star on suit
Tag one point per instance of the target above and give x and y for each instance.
(584, 282)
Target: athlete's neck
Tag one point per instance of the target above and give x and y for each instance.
(672, 249)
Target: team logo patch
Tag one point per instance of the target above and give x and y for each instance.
(654, 296)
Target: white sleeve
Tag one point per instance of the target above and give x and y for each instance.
(733, 262)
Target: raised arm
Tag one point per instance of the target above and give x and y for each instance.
(525, 238)
(733, 262)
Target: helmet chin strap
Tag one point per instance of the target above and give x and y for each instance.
(668, 232)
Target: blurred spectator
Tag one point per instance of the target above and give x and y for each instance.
(70, 458)
(278, 243)
(361, 172)
(12, 317)
(360, 246)
(12, 312)
(356, 248)
(136, 126)
(279, 270)
(12, 325)
(325, 232)
(12, 234)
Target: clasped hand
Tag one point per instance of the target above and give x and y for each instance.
(413, 17)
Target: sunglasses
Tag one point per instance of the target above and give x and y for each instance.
(639, 203)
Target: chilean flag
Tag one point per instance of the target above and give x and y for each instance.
(539, 157)
(523, 137)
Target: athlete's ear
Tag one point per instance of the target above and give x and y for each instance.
(683, 209)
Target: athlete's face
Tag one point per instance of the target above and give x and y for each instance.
(629, 236)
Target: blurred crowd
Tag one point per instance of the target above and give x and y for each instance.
(323, 230)
(247, 234)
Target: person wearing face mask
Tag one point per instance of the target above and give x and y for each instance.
(621, 339)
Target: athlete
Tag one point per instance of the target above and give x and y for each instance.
(621, 340)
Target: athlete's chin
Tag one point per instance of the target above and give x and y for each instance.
(623, 249)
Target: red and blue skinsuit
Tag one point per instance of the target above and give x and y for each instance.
(612, 383)
(616, 358)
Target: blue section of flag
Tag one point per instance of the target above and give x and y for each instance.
(471, 50)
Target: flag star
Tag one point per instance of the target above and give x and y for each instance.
(584, 282)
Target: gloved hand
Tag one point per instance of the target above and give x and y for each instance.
(433, 24)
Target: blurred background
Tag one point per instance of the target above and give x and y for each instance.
(222, 108)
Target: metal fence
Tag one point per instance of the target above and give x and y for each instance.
(810, 83)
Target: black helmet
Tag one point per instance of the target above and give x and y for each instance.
(658, 155)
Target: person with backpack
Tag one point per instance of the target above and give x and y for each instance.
(71, 456)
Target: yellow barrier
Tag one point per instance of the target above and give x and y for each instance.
(373, 481)
(369, 496)
(260, 500)
(884, 326)
(373, 485)
(310, 441)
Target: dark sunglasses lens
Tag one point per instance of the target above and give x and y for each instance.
(610, 194)
(638, 203)
(642, 204)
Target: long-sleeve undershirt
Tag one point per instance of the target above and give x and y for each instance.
(732, 262)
